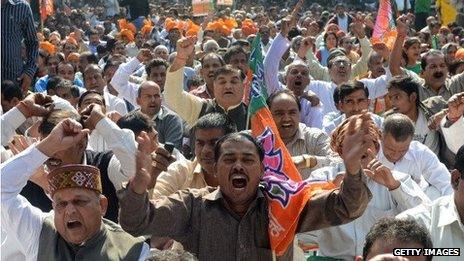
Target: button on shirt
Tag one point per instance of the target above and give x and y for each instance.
(441, 218)
(425, 169)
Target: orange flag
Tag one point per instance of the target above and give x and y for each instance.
(287, 194)
(385, 28)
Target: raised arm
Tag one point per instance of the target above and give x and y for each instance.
(120, 80)
(396, 53)
(360, 67)
(186, 105)
(36, 104)
(120, 141)
(19, 218)
(139, 216)
(271, 63)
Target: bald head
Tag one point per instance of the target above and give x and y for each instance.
(149, 98)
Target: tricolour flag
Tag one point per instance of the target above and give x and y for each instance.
(287, 194)
(385, 28)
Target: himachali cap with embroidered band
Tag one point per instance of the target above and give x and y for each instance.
(75, 176)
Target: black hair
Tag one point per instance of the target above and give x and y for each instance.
(216, 121)
(53, 82)
(336, 95)
(11, 90)
(60, 57)
(75, 91)
(56, 116)
(350, 87)
(453, 67)
(155, 63)
(431, 52)
(215, 55)
(89, 57)
(111, 63)
(406, 84)
(92, 67)
(234, 50)
(237, 136)
(136, 121)
(81, 99)
(399, 126)
(387, 230)
(228, 69)
(67, 63)
(273, 96)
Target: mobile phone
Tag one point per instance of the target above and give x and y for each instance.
(169, 147)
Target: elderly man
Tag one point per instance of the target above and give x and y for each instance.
(75, 228)
(228, 90)
(232, 221)
(444, 217)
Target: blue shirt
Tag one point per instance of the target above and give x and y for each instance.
(41, 84)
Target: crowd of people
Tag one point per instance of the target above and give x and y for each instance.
(125, 129)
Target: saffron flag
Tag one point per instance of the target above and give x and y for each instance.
(202, 7)
(46, 9)
(385, 28)
(287, 194)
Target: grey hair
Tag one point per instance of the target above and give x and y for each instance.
(399, 126)
(293, 64)
(160, 47)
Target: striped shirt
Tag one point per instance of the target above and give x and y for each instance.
(18, 25)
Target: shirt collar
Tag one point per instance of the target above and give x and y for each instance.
(14, 2)
(160, 115)
(449, 214)
(299, 135)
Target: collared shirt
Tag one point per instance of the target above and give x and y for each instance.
(182, 174)
(202, 92)
(309, 115)
(18, 26)
(310, 141)
(425, 169)
(20, 219)
(442, 220)
(208, 229)
(347, 241)
(452, 134)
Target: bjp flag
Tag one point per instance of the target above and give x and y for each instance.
(286, 192)
(46, 9)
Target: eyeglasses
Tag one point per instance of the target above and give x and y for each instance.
(341, 63)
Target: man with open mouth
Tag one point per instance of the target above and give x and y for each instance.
(231, 222)
(76, 227)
